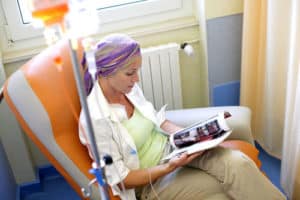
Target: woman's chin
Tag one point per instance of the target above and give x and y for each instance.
(127, 90)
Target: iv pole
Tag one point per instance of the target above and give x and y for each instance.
(82, 96)
(52, 14)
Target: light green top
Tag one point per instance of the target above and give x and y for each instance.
(149, 142)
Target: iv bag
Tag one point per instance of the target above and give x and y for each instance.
(49, 11)
(72, 18)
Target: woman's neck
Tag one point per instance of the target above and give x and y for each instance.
(115, 97)
(112, 95)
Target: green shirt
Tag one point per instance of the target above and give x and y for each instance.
(149, 142)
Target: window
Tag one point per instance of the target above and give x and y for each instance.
(117, 14)
(26, 16)
(108, 4)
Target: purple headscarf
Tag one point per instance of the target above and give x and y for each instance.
(112, 53)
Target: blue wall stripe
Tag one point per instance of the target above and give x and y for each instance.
(227, 94)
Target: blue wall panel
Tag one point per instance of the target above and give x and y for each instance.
(8, 186)
(227, 94)
(224, 37)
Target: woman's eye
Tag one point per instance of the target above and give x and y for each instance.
(130, 73)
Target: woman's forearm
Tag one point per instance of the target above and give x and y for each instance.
(170, 127)
(140, 177)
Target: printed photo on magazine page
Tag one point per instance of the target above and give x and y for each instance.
(201, 135)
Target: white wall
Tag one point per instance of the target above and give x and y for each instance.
(8, 185)
(15, 146)
(13, 141)
(2, 72)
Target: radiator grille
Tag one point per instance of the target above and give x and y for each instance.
(160, 76)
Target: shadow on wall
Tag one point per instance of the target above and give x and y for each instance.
(227, 94)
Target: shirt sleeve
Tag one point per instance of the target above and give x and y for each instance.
(161, 115)
(106, 144)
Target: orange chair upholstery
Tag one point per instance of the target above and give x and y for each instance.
(45, 102)
(244, 147)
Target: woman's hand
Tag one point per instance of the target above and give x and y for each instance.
(140, 177)
(182, 159)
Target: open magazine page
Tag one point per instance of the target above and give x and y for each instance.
(201, 135)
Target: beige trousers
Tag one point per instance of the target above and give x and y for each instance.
(218, 174)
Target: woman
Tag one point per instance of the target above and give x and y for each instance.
(135, 138)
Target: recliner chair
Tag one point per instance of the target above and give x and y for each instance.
(44, 100)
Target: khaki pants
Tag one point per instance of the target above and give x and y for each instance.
(218, 174)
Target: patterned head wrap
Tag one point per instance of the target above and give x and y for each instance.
(113, 52)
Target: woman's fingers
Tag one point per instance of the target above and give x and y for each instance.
(184, 158)
(194, 155)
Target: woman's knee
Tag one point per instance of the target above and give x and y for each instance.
(239, 169)
(229, 158)
(240, 161)
(222, 162)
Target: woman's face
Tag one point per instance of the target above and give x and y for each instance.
(125, 78)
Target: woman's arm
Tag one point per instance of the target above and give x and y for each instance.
(142, 177)
(169, 127)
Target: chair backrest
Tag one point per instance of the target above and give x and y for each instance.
(45, 102)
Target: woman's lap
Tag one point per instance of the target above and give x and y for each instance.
(185, 183)
(219, 173)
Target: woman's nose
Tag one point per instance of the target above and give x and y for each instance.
(136, 78)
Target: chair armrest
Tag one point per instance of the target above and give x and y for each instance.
(240, 121)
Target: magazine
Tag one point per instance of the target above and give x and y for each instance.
(200, 136)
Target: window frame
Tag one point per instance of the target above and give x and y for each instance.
(138, 13)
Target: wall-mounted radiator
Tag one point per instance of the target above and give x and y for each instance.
(160, 76)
